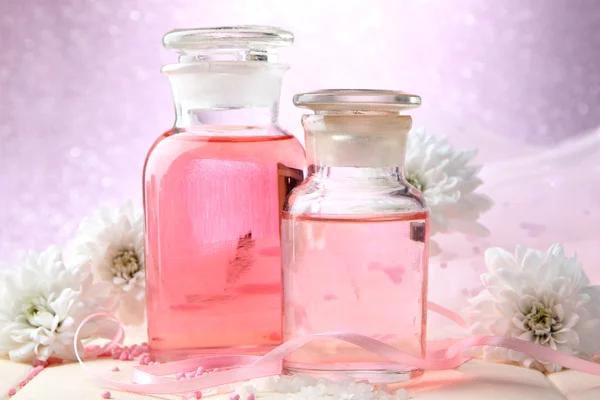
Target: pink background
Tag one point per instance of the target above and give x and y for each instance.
(82, 99)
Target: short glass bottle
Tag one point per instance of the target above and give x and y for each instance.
(214, 186)
(355, 237)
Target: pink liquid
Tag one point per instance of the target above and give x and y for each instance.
(366, 276)
(212, 241)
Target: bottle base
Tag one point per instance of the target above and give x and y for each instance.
(166, 355)
(381, 374)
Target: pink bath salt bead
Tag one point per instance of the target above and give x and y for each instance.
(37, 363)
(200, 369)
(250, 397)
(130, 357)
(198, 395)
(30, 374)
(124, 356)
(115, 369)
(136, 351)
(190, 374)
(12, 391)
(22, 383)
(234, 396)
(216, 370)
(54, 361)
(179, 375)
(106, 395)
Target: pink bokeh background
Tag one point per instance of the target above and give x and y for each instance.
(82, 99)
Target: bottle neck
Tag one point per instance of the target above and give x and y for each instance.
(225, 94)
(367, 177)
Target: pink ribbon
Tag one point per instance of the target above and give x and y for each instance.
(152, 379)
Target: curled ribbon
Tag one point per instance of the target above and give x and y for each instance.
(152, 379)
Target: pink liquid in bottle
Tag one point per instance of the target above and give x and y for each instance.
(360, 275)
(213, 247)
(214, 188)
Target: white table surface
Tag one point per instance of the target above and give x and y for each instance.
(476, 380)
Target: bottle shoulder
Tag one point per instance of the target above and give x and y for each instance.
(235, 145)
(315, 197)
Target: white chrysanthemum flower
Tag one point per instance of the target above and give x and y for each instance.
(113, 240)
(42, 303)
(448, 181)
(541, 297)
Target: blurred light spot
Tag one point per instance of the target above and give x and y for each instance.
(583, 108)
(106, 182)
(75, 152)
(135, 15)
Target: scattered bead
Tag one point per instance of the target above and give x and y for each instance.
(200, 369)
(115, 369)
(234, 396)
(22, 383)
(145, 360)
(190, 374)
(124, 356)
(32, 373)
(250, 397)
(12, 391)
(136, 351)
(179, 376)
(216, 370)
(106, 395)
(198, 395)
(54, 361)
(37, 363)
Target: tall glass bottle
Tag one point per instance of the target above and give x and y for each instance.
(355, 237)
(214, 186)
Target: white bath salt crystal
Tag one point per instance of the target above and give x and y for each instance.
(297, 382)
(268, 384)
(308, 380)
(402, 394)
(283, 385)
(322, 388)
(363, 388)
(308, 392)
(245, 391)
